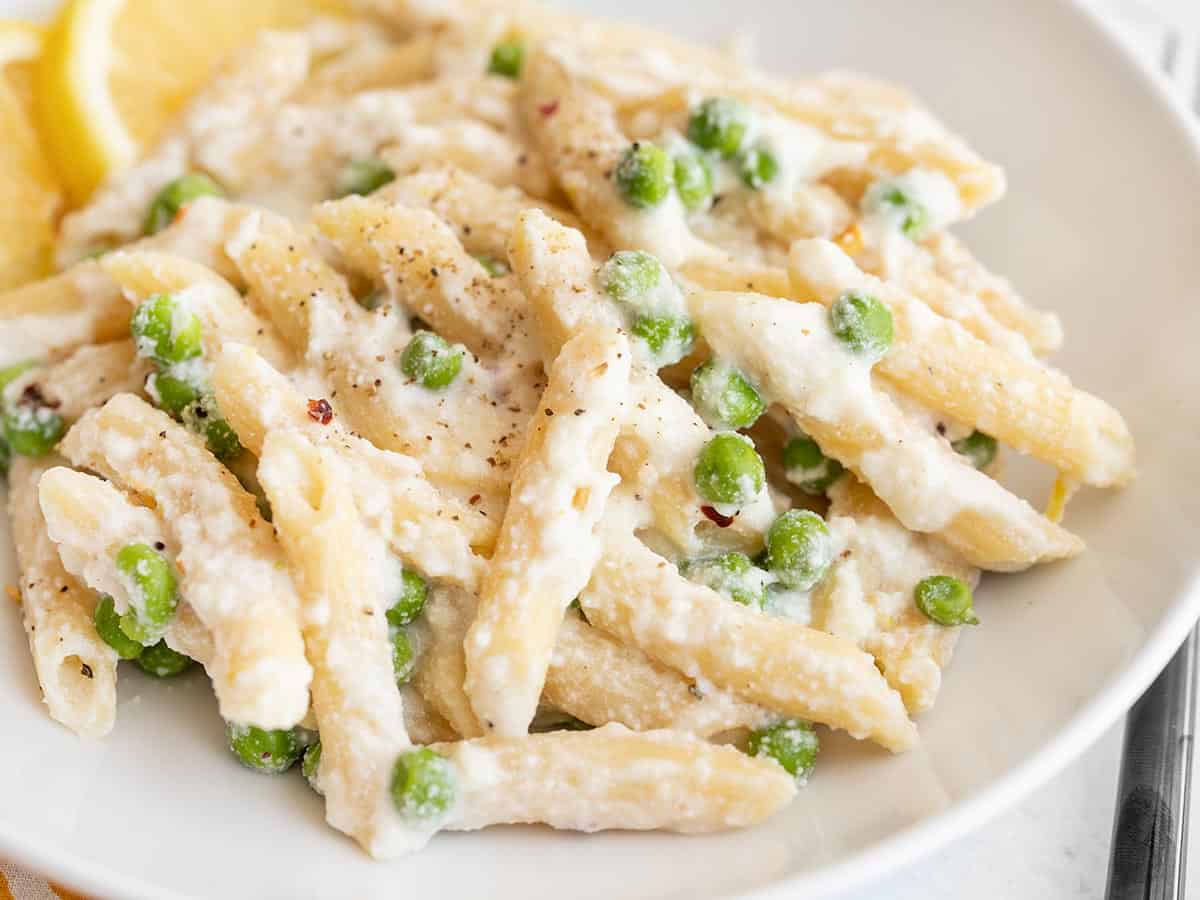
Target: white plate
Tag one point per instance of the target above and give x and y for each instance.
(1102, 224)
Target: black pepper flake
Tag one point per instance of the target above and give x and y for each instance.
(941, 428)
(475, 498)
(579, 412)
(433, 271)
(159, 545)
(63, 589)
(85, 670)
(549, 412)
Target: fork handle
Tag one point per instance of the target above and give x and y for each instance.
(1149, 842)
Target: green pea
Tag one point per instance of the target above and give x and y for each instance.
(630, 275)
(890, 197)
(724, 397)
(175, 196)
(424, 785)
(494, 267)
(643, 175)
(758, 166)
(791, 743)
(262, 750)
(310, 766)
(161, 661)
(430, 360)
(978, 448)
(413, 593)
(693, 180)
(222, 440)
(363, 176)
(404, 659)
(670, 338)
(9, 374)
(799, 548)
(174, 394)
(729, 470)
(108, 626)
(507, 59)
(946, 600)
(862, 324)
(719, 124)
(32, 430)
(166, 332)
(732, 575)
(204, 418)
(155, 590)
(808, 468)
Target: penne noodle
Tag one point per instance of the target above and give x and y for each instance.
(598, 679)
(482, 214)
(1028, 406)
(56, 315)
(640, 598)
(868, 595)
(433, 533)
(473, 147)
(958, 268)
(341, 573)
(790, 352)
(239, 589)
(88, 377)
(425, 266)
(77, 671)
(547, 544)
(90, 520)
(662, 434)
(360, 355)
(618, 779)
(223, 314)
(442, 666)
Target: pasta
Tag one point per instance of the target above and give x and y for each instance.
(524, 418)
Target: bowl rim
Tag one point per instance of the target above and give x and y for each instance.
(915, 843)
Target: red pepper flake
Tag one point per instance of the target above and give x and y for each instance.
(548, 109)
(320, 411)
(714, 516)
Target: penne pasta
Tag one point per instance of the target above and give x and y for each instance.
(868, 596)
(239, 589)
(642, 599)
(548, 542)
(434, 533)
(1026, 405)
(90, 521)
(482, 214)
(790, 351)
(597, 679)
(618, 778)
(340, 572)
(77, 671)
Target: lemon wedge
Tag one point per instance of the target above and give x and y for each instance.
(114, 73)
(30, 199)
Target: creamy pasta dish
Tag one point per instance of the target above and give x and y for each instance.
(525, 418)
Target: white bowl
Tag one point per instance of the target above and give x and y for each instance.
(1102, 224)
